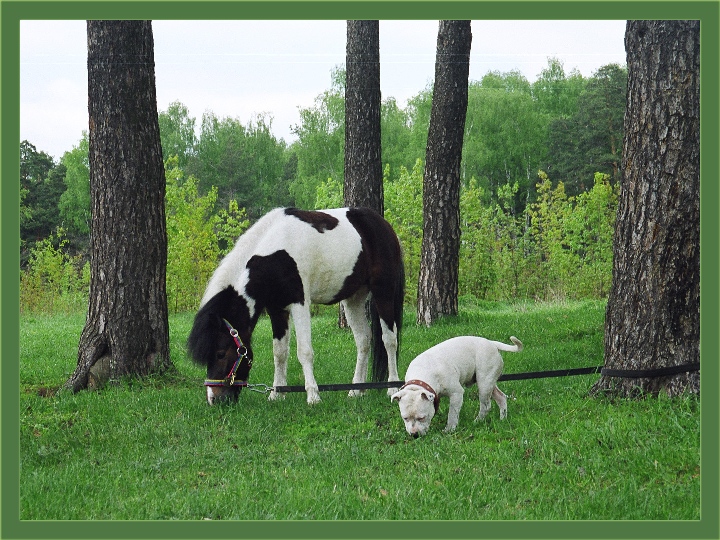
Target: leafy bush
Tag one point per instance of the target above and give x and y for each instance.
(403, 209)
(197, 237)
(54, 281)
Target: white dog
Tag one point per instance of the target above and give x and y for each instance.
(443, 370)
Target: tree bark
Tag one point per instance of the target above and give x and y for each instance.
(438, 281)
(363, 166)
(653, 311)
(363, 183)
(126, 332)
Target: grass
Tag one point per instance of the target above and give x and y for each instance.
(152, 449)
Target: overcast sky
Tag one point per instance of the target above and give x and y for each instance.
(242, 68)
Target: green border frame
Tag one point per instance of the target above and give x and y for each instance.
(11, 12)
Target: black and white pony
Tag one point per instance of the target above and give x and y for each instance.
(284, 262)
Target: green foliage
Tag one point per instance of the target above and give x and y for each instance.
(573, 238)
(478, 265)
(321, 141)
(407, 220)
(41, 185)
(25, 210)
(177, 133)
(329, 194)
(243, 161)
(229, 224)
(395, 135)
(53, 280)
(590, 139)
(556, 93)
(504, 134)
(75, 201)
(197, 237)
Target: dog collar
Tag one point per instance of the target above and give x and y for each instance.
(426, 386)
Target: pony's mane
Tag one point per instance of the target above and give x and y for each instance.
(201, 341)
(227, 271)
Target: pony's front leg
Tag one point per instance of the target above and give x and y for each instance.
(301, 319)
(281, 351)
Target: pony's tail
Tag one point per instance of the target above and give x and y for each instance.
(379, 354)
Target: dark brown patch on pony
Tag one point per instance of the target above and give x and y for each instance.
(380, 265)
(274, 281)
(320, 221)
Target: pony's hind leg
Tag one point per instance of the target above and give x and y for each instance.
(390, 340)
(389, 336)
(357, 319)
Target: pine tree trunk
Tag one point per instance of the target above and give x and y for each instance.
(438, 281)
(363, 184)
(126, 332)
(363, 166)
(653, 312)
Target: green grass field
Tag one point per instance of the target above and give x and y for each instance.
(153, 449)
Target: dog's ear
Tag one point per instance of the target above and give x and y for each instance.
(397, 395)
(427, 395)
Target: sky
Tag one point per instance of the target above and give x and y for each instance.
(241, 69)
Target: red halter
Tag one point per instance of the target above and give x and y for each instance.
(242, 352)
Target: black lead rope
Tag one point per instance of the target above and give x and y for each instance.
(549, 374)
(607, 372)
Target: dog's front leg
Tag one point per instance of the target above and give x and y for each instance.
(456, 401)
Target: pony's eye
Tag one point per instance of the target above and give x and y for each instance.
(220, 355)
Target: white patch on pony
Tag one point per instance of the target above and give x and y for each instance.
(210, 395)
(324, 259)
(227, 272)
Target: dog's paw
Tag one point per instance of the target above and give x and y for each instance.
(449, 429)
(356, 393)
(313, 398)
(392, 391)
(276, 396)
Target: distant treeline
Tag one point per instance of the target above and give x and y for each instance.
(539, 175)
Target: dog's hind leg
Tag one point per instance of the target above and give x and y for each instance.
(486, 392)
(501, 400)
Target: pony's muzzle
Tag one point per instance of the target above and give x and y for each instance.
(217, 395)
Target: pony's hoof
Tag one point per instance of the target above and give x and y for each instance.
(275, 396)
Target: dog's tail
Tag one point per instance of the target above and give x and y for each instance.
(510, 348)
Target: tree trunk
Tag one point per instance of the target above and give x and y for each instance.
(363, 166)
(126, 332)
(438, 281)
(653, 312)
(363, 185)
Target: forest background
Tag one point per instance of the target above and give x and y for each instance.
(539, 175)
